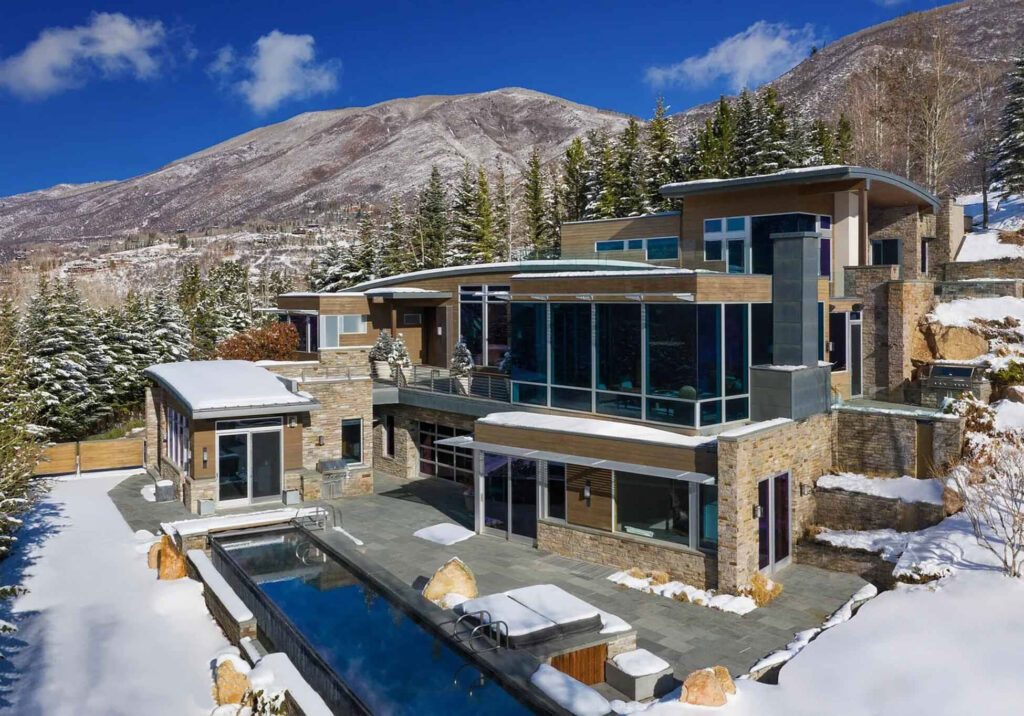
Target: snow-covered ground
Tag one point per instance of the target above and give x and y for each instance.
(98, 634)
(908, 489)
(1004, 215)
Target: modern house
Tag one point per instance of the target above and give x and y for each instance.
(665, 396)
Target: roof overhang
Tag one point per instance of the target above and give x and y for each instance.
(467, 442)
(407, 295)
(255, 410)
(833, 176)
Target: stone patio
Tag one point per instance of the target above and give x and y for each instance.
(687, 636)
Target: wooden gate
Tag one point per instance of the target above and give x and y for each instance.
(88, 455)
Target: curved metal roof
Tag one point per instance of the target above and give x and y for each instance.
(803, 175)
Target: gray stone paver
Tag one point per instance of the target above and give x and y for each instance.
(685, 635)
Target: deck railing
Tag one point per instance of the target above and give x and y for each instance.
(441, 380)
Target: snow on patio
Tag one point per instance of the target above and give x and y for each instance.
(98, 634)
(445, 534)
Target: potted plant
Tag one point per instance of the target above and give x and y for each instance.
(380, 355)
(461, 366)
(398, 357)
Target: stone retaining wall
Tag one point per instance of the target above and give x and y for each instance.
(955, 290)
(625, 551)
(841, 559)
(885, 444)
(842, 510)
(1008, 268)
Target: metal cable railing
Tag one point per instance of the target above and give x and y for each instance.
(441, 380)
(283, 636)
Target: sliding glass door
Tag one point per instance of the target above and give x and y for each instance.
(249, 461)
(510, 497)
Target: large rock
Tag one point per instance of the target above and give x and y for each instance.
(231, 683)
(724, 679)
(702, 688)
(153, 557)
(1014, 393)
(954, 342)
(170, 562)
(952, 502)
(454, 577)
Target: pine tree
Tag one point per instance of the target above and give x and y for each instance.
(823, 143)
(749, 138)
(327, 267)
(1009, 159)
(574, 181)
(538, 234)
(502, 214)
(662, 152)
(629, 182)
(396, 257)
(364, 255)
(554, 214)
(601, 180)
(712, 147)
(776, 148)
(844, 140)
(463, 234)
(168, 333)
(485, 248)
(432, 222)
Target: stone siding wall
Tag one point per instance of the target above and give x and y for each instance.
(948, 233)
(885, 445)
(866, 565)
(406, 461)
(150, 458)
(339, 400)
(841, 510)
(869, 284)
(908, 302)
(903, 223)
(954, 290)
(993, 268)
(357, 357)
(804, 449)
(626, 551)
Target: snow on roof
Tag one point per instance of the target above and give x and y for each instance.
(593, 427)
(711, 181)
(223, 384)
(396, 289)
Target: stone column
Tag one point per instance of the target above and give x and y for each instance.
(151, 459)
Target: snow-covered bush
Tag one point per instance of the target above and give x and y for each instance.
(381, 350)
(979, 421)
(992, 490)
(398, 357)
(462, 360)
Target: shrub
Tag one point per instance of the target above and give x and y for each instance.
(462, 360)
(1012, 374)
(762, 590)
(277, 341)
(399, 355)
(381, 349)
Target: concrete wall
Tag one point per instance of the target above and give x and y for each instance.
(845, 238)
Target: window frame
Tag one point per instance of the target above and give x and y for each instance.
(694, 518)
(605, 246)
(349, 422)
(339, 320)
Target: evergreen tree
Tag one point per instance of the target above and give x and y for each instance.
(775, 154)
(327, 267)
(396, 256)
(712, 147)
(1009, 156)
(168, 332)
(823, 143)
(502, 214)
(844, 140)
(463, 234)
(630, 178)
(485, 248)
(573, 188)
(364, 255)
(554, 214)
(538, 233)
(432, 222)
(749, 138)
(601, 180)
(662, 151)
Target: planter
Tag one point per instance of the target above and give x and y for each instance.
(461, 384)
(467, 497)
(401, 374)
(381, 369)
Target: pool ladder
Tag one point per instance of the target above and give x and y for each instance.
(493, 634)
(318, 518)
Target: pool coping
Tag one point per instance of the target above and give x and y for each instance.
(511, 669)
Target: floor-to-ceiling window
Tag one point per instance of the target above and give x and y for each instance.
(571, 370)
(619, 354)
(669, 510)
(528, 365)
(484, 322)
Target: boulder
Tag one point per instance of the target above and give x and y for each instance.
(954, 342)
(1014, 393)
(153, 557)
(454, 577)
(724, 680)
(171, 562)
(702, 688)
(659, 577)
(952, 502)
(230, 684)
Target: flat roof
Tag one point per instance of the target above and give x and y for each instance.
(226, 388)
(592, 427)
(802, 175)
(502, 267)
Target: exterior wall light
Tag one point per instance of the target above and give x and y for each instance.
(803, 489)
(758, 512)
(206, 457)
(320, 441)
(586, 492)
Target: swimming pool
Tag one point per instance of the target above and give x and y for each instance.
(390, 663)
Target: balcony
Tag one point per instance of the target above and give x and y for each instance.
(429, 387)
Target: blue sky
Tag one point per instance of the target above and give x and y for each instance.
(110, 90)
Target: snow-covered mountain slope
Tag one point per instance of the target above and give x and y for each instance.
(345, 156)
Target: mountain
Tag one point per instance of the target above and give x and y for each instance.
(346, 156)
(980, 32)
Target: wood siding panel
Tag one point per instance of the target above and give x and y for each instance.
(584, 665)
(58, 459)
(601, 448)
(598, 513)
(293, 446)
(204, 434)
(579, 238)
(110, 454)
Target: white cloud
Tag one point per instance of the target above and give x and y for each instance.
(282, 67)
(760, 53)
(110, 44)
(224, 63)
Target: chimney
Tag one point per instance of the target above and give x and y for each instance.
(794, 386)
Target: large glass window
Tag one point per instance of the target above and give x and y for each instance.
(451, 463)
(885, 252)
(761, 229)
(736, 361)
(660, 249)
(352, 440)
(761, 334)
(529, 346)
(570, 344)
(656, 249)
(556, 491)
(653, 507)
(672, 350)
(837, 337)
(307, 326)
(709, 349)
(333, 327)
(708, 514)
(618, 347)
(484, 322)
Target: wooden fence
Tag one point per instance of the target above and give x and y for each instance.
(87, 455)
